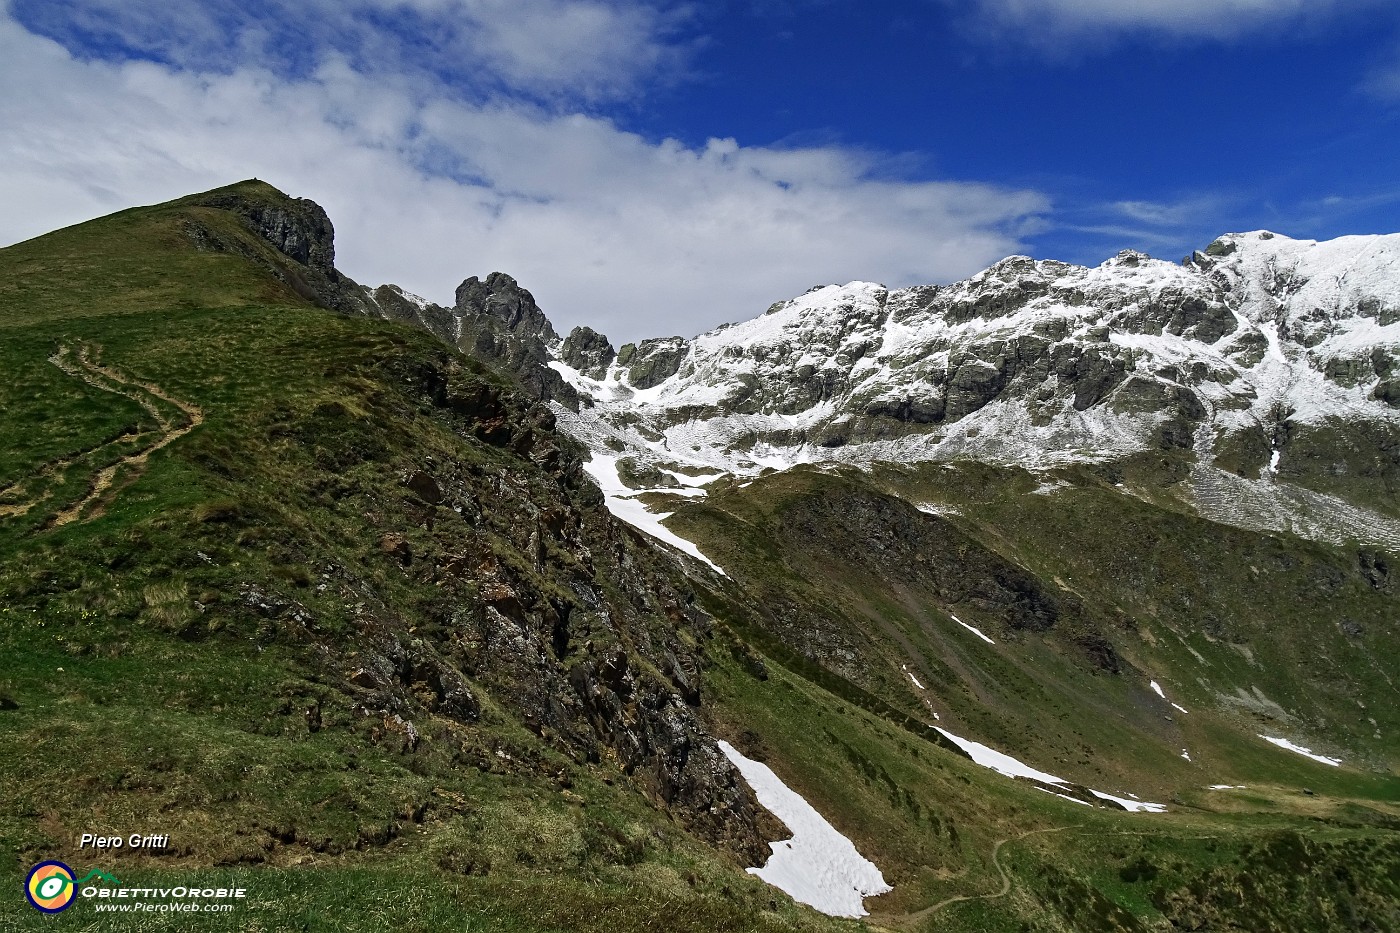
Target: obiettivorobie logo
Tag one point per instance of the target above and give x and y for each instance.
(51, 886)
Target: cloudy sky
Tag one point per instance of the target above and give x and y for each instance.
(656, 168)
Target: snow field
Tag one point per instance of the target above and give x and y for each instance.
(818, 866)
(623, 504)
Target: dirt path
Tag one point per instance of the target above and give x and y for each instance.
(909, 921)
(82, 365)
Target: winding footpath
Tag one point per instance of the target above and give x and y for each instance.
(171, 427)
(909, 921)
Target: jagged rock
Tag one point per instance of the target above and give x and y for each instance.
(1388, 391)
(501, 300)
(587, 351)
(912, 410)
(397, 305)
(654, 361)
(300, 231)
(1022, 365)
(638, 475)
(501, 324)
(973, 384)
(297, 227)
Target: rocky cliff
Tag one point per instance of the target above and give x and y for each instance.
(1262, 367)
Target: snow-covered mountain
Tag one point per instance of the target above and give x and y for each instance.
(1262, 374)
(1276, 362)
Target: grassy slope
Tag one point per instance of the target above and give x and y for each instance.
(1241, 856)
(142, 691)
(229, 730)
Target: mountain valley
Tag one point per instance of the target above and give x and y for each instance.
(1033, 587)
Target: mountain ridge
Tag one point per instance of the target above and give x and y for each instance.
(1261, 360)
(409, 628)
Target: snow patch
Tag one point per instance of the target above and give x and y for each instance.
(622, 503)
(973, 629)
(1132, 806)
(1306, 752)
(818, 866)
(989, 757)
(1001, 763)
(1157, 689)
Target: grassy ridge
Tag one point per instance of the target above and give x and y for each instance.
(181, 658)
(144, 689)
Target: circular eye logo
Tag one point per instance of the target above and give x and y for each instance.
(50, 887)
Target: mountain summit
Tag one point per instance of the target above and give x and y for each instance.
(1262, 368)
(1059, 599)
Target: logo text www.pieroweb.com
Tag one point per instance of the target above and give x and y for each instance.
(52, 887)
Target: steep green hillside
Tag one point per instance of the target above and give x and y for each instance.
(309, 593)
(334, 607)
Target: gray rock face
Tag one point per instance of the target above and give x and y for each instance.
(300, 232)
(587, 351)
(1261, 357)
(501, 324)
(298, 228)
(598, 650)
(501, 301)
(653, 361)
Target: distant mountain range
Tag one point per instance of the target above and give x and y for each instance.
(1259, 377)
(1059, 599)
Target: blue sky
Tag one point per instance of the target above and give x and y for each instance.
(660, 168)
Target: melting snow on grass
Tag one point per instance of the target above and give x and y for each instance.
(818, 866)
(1157, 689)
(912, 677)
(622, 503)
(974, 630)
(1307, 752)
(1005, 764)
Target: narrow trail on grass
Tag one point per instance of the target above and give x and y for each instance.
(909, 921)
(175, 419)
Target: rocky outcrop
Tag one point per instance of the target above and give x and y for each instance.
(503, 304)
(653, 361)
(397, 305)
(501, 324)
(542, 605)
(587, 351)
(300, 233)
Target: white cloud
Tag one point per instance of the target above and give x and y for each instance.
(1384, 82)
(570, 49)
(1190, 210)
(1217, 19)
(636, 237)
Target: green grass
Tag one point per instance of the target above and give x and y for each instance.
(145, 690)
(182, 658)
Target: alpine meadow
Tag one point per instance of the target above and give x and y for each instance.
(768, 466)
(1032, 587)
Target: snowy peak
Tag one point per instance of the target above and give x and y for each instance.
(1239, 360)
